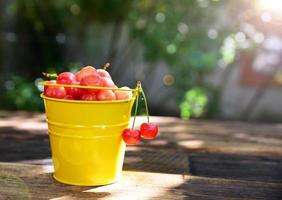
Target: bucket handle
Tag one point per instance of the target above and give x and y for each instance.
(47, 83)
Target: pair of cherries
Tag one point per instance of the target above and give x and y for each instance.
(147, 131)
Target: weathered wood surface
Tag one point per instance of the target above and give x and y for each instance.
(20, 181)
(189, 160)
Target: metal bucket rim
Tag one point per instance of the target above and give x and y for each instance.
(86, 102)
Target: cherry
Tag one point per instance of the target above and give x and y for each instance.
(50, 82)
(85, 71)
(65, 78)
(123, 95)
(89, 97)
(76, 93)
(107, 82)
(91, 80)
(149, 130)
(55, 92)
(103, 73)
(130, 136)
(106, 95)
(68, 97)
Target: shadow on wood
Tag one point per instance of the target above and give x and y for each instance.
(17, 145)
(239, 167)
(41, 186)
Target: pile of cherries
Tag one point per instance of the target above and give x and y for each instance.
(89, 76)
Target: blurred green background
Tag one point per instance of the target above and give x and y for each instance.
(192, 56)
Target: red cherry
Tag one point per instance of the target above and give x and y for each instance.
(76, 93)
(65, 78)
(89, 97)
(106, 95)
(85, 71)
(107, 82)
(149, 130)
(123, 95)
(50, 82)
(68, 97)
(130, 136)
(55, 92)
(103, 73)
(92, 80)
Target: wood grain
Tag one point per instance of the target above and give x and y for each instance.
(19, 181)
(240, 167)
(193, 159)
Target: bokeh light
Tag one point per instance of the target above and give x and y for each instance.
(270, 5)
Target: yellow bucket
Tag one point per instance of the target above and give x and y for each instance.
(85, 138)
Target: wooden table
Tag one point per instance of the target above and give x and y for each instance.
(193, 159)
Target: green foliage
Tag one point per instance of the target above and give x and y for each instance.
(188, 35)
(176, 32)
(194, 103)
(20, 94)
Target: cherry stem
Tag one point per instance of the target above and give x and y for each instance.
(136, 108)
(106, 65)
(146, 105)
(48, 75)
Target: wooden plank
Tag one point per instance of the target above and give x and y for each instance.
(215, 188)
(20, 181)
(152, 160)
(24, 136)
(241, 167)
(218, 136)
(143, 159)
(228, 160)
